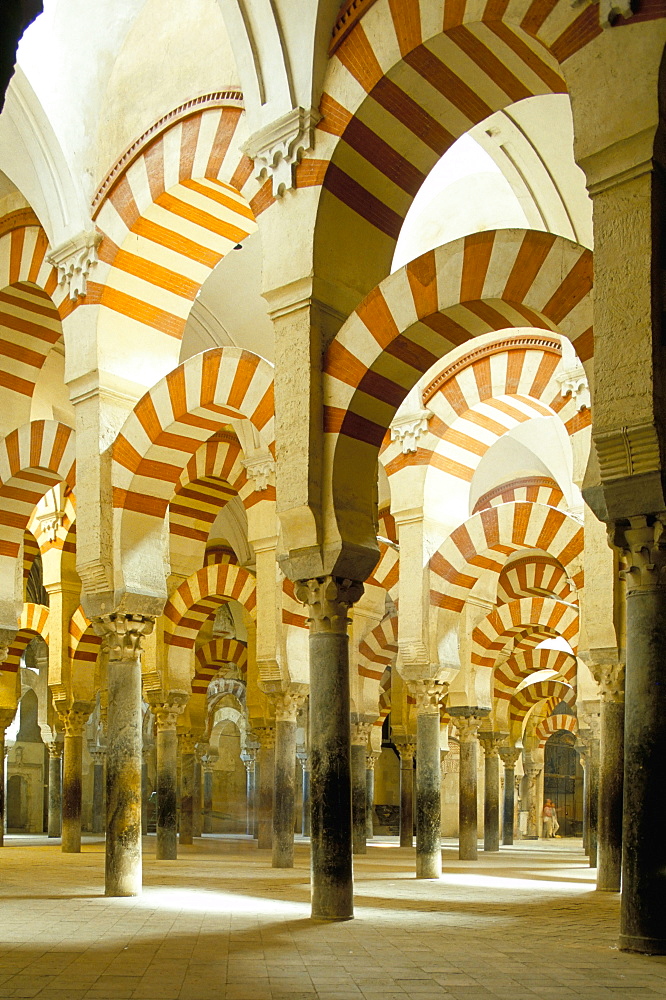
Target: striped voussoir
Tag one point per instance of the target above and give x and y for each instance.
(32, 304)
(493, 280)
(524, 662)
(84, 645)
(534, 576)
(213, 656)
(219, 552)
(34, 621)
(168, 216)
(533, 489)
(384, 696)
(379, 649)
(292, 609)
(198, 597)
(185, 409)
(30, 552)
(525, 622)
(408, 77)
(33, 459)
(480, 547)
(555, 724)
(387, 570)
(550, 692)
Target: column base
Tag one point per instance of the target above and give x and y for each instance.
(644, 945)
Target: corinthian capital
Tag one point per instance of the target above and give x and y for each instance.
(168, 712)
(642, 545)
(289, 703)
(467, 721)
(610, 678)
(122, 634)
(329, 599)
(428, 695)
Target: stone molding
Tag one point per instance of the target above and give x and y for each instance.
(350, 14)
(642, 546)
(575, 383)
(628, 451)
(409, 428)
(122, 635)
(277, 148)
(74, 259)
(328, 599)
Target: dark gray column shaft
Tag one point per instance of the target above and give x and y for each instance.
(71, 789)
(428, 797)
(467, 805)
(250, 795)
(283, 805)
(186, 791)
(266, 789)
(370, 797)
(55, 792)
(208, 799)
(98, 812)
(196, 800)
(509, 804)
(611, 781)
(491, 801)
(166, 748)
(305, 827)
(406, 796)
(593, 765)
(358, 798)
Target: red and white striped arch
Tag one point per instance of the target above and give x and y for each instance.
(292, 609)
(523, 662)
(532, 489)
(405, 81)
(555, 724)
(490, 281)
(84, 645)
(477, 550)
(32, 305)
(549, 692)
(534, 576)
(198, 597)
(33, 621)
(526, 622)
(214, 655)
(33, 459)
(379, 649)
(176, 202)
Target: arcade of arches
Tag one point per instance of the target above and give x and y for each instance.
(332, 427)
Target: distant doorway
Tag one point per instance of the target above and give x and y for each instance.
(563, 783)
(17, 803)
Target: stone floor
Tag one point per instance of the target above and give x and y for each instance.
(220, 924)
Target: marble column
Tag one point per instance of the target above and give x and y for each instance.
(207, 764)
(467, 721)
(167, 714)
(583, 756)
(266, 737)
(533, 764)
(611, 777)
(121, 644)
(359, 743)
(145, 795)
(3, 774)
(642, 913)
(428, 695)
(304, 759)
(328, 600)
(197, 819)
(74, 724)
(287, 706)
(186, 747)
(54, 826)
(509, 756)
(370, 761)
(490, 742)
(98, 811)
(407, 753)
(593, 781)
(249, 759)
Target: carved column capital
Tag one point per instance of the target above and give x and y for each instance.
(288, 704)
(407, 753)
(303, 758)
(509, 756)
(533, 764)
(74, 719)
(371, 759)
(610, 678)
(428, 695)
(187, 742)
(266, 737)
(360, 732)
(467, 721)
(329, 599)
(491, 741)
(122, 635)
(249, 758)
(98, 754)
(208, 762)
(168, 712)
(55, 750)
(642, 549)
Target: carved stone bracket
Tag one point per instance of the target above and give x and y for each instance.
(574, 383)
(409, 429)
(428, 695)
(74, 259)
(168, 712)
(122, 635)
(277, 148)
(328, 599)
(260, 469)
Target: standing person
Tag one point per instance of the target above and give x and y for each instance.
(549, 816)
